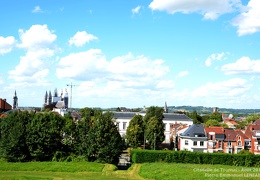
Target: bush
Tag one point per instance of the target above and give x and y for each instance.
(148, 156)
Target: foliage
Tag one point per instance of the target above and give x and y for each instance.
(106, 142)
(13, 145)
(135, 132)
(251, 118)
(197, 119)
(154, 127)
(143, 156)
(153, 111)
(154, 132)
(212, 122)
(47, 136)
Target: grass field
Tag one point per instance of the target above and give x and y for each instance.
(97, 171)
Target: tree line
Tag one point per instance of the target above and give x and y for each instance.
(46, 136)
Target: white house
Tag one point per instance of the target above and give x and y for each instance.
(194, 139)
(122, 120)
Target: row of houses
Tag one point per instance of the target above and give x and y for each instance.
(219, 139)
(122, 120)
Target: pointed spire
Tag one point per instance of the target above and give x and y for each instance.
(165, 107)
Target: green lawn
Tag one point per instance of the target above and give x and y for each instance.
(169, 171)
(97, 171)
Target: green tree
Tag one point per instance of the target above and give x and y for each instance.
(212, 122)
(135, 132)
(251, 118)
(13, 146)
(153, 111)
(106, 142)
(154, 127)
(44, 136)
(217, 116)
(83, 146)
(197, 119)
(154, 132)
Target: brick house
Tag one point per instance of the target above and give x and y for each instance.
(253, 132)
(216, 138)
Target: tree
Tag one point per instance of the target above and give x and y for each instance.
(135, 132)
(153, 111)
(13, 146)
(155, 132)
(212, 122)
(251, 118)
(106, 142)
(44, 136)
(83, 146)
(197, 119)
(154, 127)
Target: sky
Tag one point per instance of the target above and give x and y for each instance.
(131, 53)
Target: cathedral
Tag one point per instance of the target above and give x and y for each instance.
(56, 100)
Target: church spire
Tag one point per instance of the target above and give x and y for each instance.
(165, 107)
(15, 101)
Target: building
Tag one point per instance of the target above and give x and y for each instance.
(50, 99)
(216, 138)
(4, 106)
(253, 132)
(194, 139)
(15, 101)
(122, 120)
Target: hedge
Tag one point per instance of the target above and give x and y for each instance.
(144, 156)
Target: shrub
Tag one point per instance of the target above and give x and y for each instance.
(148, 156)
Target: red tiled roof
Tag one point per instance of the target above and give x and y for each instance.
(230, 121)
(230, 134)
(243, 135)
(257, 122)
(216, 129)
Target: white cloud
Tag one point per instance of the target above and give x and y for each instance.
(1, 80)
(33, 66)
(182, 74)
(37, 9)
(225, 89)
(243, 65)
(123, 76)
(81, 38)
(38, 36)
(6, 44)
(210, 9)
(136, 10)
(248, 22)
(215, 57)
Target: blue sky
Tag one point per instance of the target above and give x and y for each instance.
(132, 53)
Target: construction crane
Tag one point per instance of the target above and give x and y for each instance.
(71, 85)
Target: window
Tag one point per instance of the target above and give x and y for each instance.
(201, 143)
(117, 125)
(229, 143)
(164, 125)
(239, 143)
(124, 125)
(219, 144)
(194, 143)
(186, 142)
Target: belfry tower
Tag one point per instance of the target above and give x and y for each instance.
(15, 101)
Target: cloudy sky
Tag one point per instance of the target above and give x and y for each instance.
(132, 53)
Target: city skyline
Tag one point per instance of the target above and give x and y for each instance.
(132, 53)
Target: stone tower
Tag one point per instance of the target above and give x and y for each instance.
(165, 108)
(15, 101)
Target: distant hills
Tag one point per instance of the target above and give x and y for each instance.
(209, 110)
